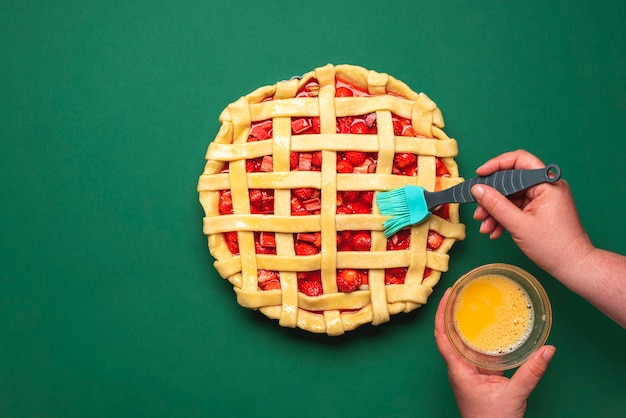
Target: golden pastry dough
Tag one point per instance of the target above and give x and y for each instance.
(332, 312)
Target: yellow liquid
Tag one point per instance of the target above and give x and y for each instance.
(493, 314)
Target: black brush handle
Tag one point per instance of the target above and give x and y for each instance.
(506, 182)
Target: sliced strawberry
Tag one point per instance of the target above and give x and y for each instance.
(356, 91)
(343, 92)
(310, 287)
(303, 193)
(361, 241)
(442, 170)
(404, 159)
(401, 122)
(261, 201)
(343, 124)
(253, 165)
(316, 159)
(225, 205)
(394, 279)
(434, 240)
(268, 201)
(427, 272)
(355, 157)
(367, 197)
(397, 127)
(294, 158)
(396, 271)
(315, 275)
(302, 248)
(344, 166)
(270, 285)
(365, 280)
(348, 280)
(232, 241)
(359, 127)
(256, 198)
(268, 279)
(358, 208)
(266, 275)
(316, 125)
(349, 195)
(343, 210)
(344, 236)
(399, 241)
(409, 131)
(344, 246)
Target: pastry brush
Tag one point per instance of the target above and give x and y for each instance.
(410, 205)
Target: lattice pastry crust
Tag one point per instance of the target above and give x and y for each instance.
(282, 222)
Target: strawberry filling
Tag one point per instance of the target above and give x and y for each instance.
(310, 283)
(349, 280)
(307, 201)
(260, 131)
(354, 241)
(401, 241)
(268, 280)
(261, 201)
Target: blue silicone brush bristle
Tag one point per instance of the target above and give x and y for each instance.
(405, 206)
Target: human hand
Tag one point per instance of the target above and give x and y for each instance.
(542, 220)
(486, 393)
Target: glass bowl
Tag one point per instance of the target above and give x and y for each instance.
(537, 331)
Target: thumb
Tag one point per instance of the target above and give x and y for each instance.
(528, 375)
(498, 206)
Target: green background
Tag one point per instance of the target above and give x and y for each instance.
(109, 304)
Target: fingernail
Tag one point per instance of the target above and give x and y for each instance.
(478, 191)
(548, 352)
